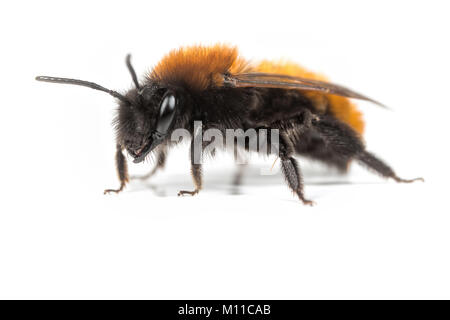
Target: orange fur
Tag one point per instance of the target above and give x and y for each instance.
(198, 67)
(340, 107)
(201, 67)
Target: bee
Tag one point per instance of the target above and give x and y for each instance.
(216, 86)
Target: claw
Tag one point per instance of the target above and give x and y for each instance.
(305, 201)
(400, 180)
(183, 192)
(308, 203)
(107, 191)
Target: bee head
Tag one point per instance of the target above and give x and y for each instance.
(146, 119)
(147, 114)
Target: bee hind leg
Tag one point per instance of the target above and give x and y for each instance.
(343, 140)
(372, 162)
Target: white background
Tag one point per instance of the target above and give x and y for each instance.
(60, 237)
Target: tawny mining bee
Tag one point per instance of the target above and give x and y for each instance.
(216, 86)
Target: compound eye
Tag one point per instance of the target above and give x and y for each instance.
(166, 113)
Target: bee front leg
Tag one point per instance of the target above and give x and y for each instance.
(122, 171)
(196, 171)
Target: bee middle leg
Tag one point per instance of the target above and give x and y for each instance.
(241, 163)
(237, 178)
(291, 170)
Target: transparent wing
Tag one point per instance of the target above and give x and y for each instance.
(271, 80)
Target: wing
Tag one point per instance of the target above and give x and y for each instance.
(271, 80)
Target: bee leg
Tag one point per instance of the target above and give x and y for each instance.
(313, 146)
(160, 163)
(241, 162)
(196, 171)
(122, 171)
(291, 170)
(372, 162)
(346, 142)
(237, 179)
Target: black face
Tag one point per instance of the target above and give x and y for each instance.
(147, 114)
(146, 119)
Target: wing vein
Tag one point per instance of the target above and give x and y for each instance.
(269, 80)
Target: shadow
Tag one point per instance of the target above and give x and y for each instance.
(337, 183)
(166, 184)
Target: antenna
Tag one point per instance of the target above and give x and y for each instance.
(133, 73)
(82, 83)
